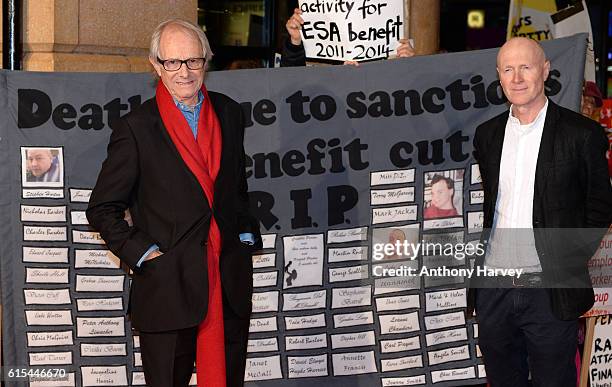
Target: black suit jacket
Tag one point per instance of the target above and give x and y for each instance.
(572, 196)
(144, 172)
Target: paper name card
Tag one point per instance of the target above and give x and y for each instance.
(399, 176)
(97, 304)
(475, 177)
(136, 341)
(399, 323)
(353, 363)
(45, 254)
(394, 214)
(447, 299)
(353, 319)
(137, 359)
(43, 213)
(59, 381)
(265, 279)
(268, 241)
(396, 284)
(401, 363)
(42, 193)
(99, 283)
(100, 326)
(78, 218)
(410, 301)
(476, 197)
(48, 317)
(267, 324)
(263, 368)
(357, 339)
(265, 302)
(475, 329)
(105, 349)
(47, 296)
(444, 320)
(351, 297)
(475, 221)
(104, 376)
(138, 379)
(482, 373)
(448, 336)
(342, 254)
(403, 381)
(103, 259)
(452, 374)
(50, 358)
(36, 275)
(305, 322)
(264, 260)
(391, 196)
(448, 354)
(400, 345)
(356, 234)
(90, 237)
(44, 233)
(303, 301)
(262, 345)
(434, 224)
(80, 195)
(307, 366)
(349, 273)
(478, 353)
(49, 339)
(305, 342)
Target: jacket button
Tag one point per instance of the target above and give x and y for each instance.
(204, 242)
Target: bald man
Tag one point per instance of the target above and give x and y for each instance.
(544, 176)
(42, 165)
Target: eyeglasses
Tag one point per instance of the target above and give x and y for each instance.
(175, 64)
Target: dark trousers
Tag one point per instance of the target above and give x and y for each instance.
(168, 357)
(518, 334)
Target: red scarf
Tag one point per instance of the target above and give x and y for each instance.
(203, 158)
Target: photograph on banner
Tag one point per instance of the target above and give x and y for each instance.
(443, 198)
(393, 243)
(351, 30)
(42, 167)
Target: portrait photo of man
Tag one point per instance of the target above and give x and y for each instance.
(396, 236)
(440, 199)
(42, 167)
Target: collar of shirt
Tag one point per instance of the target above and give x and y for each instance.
(524, 129)
(190, 109)
(192, 113)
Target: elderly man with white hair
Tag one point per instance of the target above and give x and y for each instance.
(177, 164)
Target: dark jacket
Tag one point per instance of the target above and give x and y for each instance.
(572, 203)
(144, 172)
(292, 55)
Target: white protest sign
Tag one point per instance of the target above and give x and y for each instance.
(354, 30)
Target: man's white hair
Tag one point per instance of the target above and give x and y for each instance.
(187, 26)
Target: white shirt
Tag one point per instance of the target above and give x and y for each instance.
(512, 244)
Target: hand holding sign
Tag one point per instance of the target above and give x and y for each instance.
(351, 30)
(294, 26)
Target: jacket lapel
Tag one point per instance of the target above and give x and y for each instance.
(546, 152)
(497, 144)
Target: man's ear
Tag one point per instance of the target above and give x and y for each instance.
(546, 69)
(156, 66)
